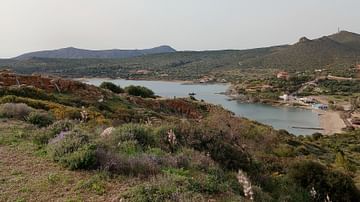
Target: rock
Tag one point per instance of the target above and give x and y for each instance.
(304, 39)
(107, 132)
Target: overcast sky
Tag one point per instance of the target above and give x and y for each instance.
(29, 25)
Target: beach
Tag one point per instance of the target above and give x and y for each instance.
(331, 122)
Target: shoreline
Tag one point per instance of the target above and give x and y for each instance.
(329, 121)
(182, 82)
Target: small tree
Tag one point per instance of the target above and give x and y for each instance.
(139, 91)
(112, 87)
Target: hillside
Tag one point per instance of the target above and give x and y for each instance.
(347, 38)
(337, 53)
(75, 53)
(310, 54)
(94, 145)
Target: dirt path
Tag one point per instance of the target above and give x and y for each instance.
(26, 177)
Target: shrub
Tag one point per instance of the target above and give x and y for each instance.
(74, 151)
(139, 91)
(317, 136)
(15, 110)
(212, 183)
(134, 132)
(82, 158)
(41, 119)
(162, 188)
(52, 131)
(112, 87)
(311, 175)
(139, 165)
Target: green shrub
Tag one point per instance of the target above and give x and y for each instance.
(112, 87)
(317, 136)
(162, 188)
(74, 151)
(15, 110)
(134, 132)
(213, 183)
(53, 130)
(82, 158)
(41, 119)
(139, 91)
(311, 175)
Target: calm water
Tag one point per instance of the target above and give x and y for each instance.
(278, 117)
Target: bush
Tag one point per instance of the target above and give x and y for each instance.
(139, 165)
(317, 136)
(162, 188)
(15, 110)
(311, 175)
(41, 119)
(74, 151)
(134, 132)
(112, 87)
(139, 91)
(52, 131)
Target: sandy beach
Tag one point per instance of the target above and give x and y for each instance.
(331, 122)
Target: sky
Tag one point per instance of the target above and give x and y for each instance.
(30, 25)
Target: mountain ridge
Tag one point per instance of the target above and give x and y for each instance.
(77, 53)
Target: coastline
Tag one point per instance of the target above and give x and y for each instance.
(330, 121)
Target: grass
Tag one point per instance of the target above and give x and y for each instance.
(25, 176)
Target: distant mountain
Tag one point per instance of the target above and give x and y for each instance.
(337, 52)
(75, 53)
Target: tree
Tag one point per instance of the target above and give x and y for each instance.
(139, 91)
(112, 87)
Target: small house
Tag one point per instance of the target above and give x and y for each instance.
(283, 75)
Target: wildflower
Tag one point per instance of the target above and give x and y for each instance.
(246, 184)
(313, 192)
(171, 137)
(84, 115)
(107, 132)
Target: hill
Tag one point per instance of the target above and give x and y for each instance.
(336, 53)
(310, 54)
(94, 145)
(75, 53)
(347, 38)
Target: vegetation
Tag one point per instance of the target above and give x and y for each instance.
(336, 53)
(112, 87)
(164, 150)
(139, 91)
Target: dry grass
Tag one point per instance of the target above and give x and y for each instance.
(25, 176)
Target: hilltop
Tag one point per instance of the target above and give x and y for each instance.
(347, 38)
(317, 53)
(75, 53)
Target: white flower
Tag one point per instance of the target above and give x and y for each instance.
(246, 184)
